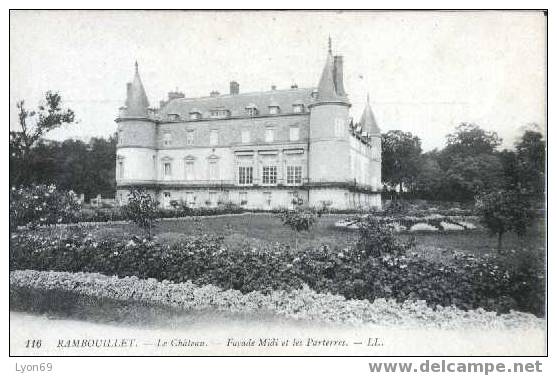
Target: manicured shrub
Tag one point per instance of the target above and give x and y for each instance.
(299, 219)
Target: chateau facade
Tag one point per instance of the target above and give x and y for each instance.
(260, 150)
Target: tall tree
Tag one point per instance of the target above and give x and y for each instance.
(530, 162)
(400, 158)
(467, 176)
(33, 126)
(470, 139)
(470, 162)
(430, 177)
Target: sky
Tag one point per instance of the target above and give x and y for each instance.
(425, 72)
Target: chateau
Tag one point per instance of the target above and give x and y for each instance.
(260, 150)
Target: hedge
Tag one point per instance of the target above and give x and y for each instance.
(89, 293)
(467, 282)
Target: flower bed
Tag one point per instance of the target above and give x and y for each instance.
(302, 304)
(412, 223)
(467, 282)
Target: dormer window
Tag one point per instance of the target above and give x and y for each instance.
(195, 114)
(274, 109)
(173, 117)
(251, 110)
(298, 108)
(220, 113)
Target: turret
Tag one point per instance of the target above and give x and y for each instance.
(329, 119)
(369, 125)
(136, 149)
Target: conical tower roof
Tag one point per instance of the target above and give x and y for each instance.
(327, 91)
(368, 122)
(136, 101)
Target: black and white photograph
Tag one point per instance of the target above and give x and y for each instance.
(277, 183)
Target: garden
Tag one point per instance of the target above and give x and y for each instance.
(373, 268)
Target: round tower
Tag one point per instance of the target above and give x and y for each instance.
(136, 153)
(329, 153)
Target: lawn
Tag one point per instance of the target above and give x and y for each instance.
(257, 230)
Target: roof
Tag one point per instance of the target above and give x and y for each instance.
(136, 101)
(238, 103)
(326, 87)
(368, 122)
(330, 88)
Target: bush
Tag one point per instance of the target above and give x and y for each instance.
(141, 209)
(378, 240)
(300, 219)
(504, 211)
(467, 282)
(42, 205)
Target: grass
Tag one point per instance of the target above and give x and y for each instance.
(257, 230)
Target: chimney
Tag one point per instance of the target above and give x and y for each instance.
(293, 86)
(337, 75)
(273, 87)
(175, 95)
(214, 93)
(234, 88)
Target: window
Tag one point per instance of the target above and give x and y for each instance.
(339, 127)
(245, 175)
(189, 137)
(273, 110)
(298, 108)
(294, 133)
(268, 198)
(251, 110)
(269, 135)
(195, 116)
(243, 198)
(214, 137)
(189, 170)
(167, 139)
(294, 199)
(245, 136)
(167, 169)
(293, 175)
(166, 200)
(212, 199)
(213, 170)
(220, 113)
(121, 169)
(121, 137)
(190, 199)
(270, 175)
